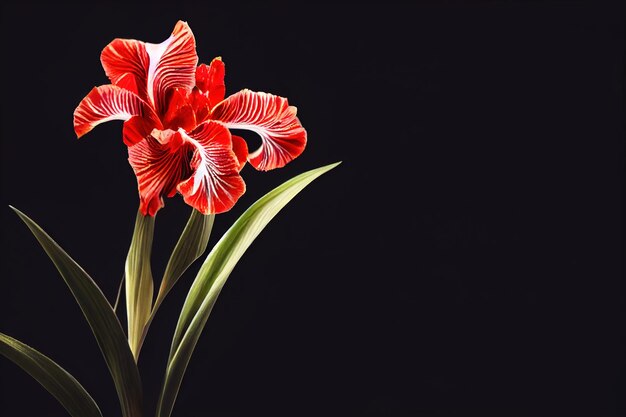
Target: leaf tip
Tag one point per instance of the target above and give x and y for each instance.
(19, 213)
(328, 167)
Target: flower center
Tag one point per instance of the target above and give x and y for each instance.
(172, 140)
(180, 112)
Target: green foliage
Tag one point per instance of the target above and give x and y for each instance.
(51, 376)
(102, 320)
(139, 284)
(190, 246)
(213, 275)
(121, 353)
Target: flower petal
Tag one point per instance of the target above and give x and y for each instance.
(283, 137)
(200, 104)
(109, 102)
(125, 62)
(240, 148)
(210, 80)
(179, 113)
(172, 65)
(136, 129)
(215, 185)
(159, 166)
(150, 70)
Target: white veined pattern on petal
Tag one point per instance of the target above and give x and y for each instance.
(159, 169)
(215, 185)
(105, 103)
(272, 118)
(125, 62)
(172, 65)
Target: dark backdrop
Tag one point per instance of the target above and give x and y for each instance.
(466, 258)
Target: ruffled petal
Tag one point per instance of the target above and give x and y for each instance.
(160, 165)
(109, 102)
(215, 185)
(136, 129)
(283, 137)
(210, 80)
(150, 70)
(201, 105)
(172, 65)
(240, 148)
(126, 62)
(179, 113)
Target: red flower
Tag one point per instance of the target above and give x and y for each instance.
(176, 122)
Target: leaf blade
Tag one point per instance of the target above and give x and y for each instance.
(190, 246)
(139, 283)
(101, 318)
(213, 275)
(56, 380)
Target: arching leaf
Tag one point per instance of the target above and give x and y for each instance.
(213, 275)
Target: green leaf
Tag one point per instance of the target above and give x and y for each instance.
(213, 275)
(102, 320)
(51, 376)
(139, 284)
(191, 245)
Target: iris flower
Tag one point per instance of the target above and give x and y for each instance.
(176, 122)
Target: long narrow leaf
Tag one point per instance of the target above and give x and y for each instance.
(51, 376)
(213, 275)
(190, 246)
(139, 284)
(102, 320)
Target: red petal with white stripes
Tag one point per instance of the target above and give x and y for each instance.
(126, 62)
(172, 65)
(210, 80)
(283, 137)
(149, 69)
(215, 185)
(109, 102)
(159, 167)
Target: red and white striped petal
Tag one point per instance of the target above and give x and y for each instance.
(109, 102)
(125, 62)
(159, 166)
(149, 69)
(172, 65)
(215, 185)
(283, 137)
(210, 80)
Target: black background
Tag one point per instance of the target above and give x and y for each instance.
(466, 258)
